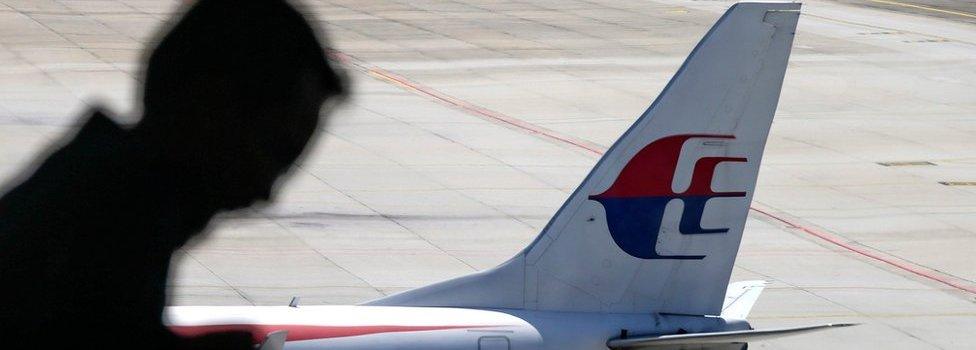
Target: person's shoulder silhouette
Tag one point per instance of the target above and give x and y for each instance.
(232, 95)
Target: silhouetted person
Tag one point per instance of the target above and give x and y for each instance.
(231, 97)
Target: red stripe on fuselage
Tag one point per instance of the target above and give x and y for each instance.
(305, 332)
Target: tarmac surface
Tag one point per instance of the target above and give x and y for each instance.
(471, 122)
(954, 10)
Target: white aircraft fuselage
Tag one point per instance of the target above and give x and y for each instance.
(430, 328)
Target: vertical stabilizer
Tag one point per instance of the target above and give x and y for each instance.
(656, 225)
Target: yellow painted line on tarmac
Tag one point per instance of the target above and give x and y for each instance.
(920, 7)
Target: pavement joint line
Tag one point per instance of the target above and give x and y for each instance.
(238, 291)
(835, 20)
(460, 192)
(318, 252)
(927, 8)
(392, 219)
(481, 112)
(596, 149)
(931, 275)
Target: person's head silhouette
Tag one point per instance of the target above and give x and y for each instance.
(233, 90)
(232, 95)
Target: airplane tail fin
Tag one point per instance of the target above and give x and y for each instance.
(656, 225)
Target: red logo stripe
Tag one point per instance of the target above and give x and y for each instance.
(650, 172)
(305, 332)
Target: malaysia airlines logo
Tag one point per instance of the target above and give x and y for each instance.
(636, 201)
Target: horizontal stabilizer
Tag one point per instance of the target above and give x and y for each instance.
(714, 338)
(740, 297)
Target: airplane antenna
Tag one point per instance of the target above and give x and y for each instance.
(294, 302)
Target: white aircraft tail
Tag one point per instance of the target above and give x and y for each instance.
(656, 225)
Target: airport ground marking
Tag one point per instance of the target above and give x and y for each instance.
(922, 272)
(927, 8)
(865, 25)
(597, 149)
(470, 108)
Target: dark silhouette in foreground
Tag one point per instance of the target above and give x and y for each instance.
(232, 95)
